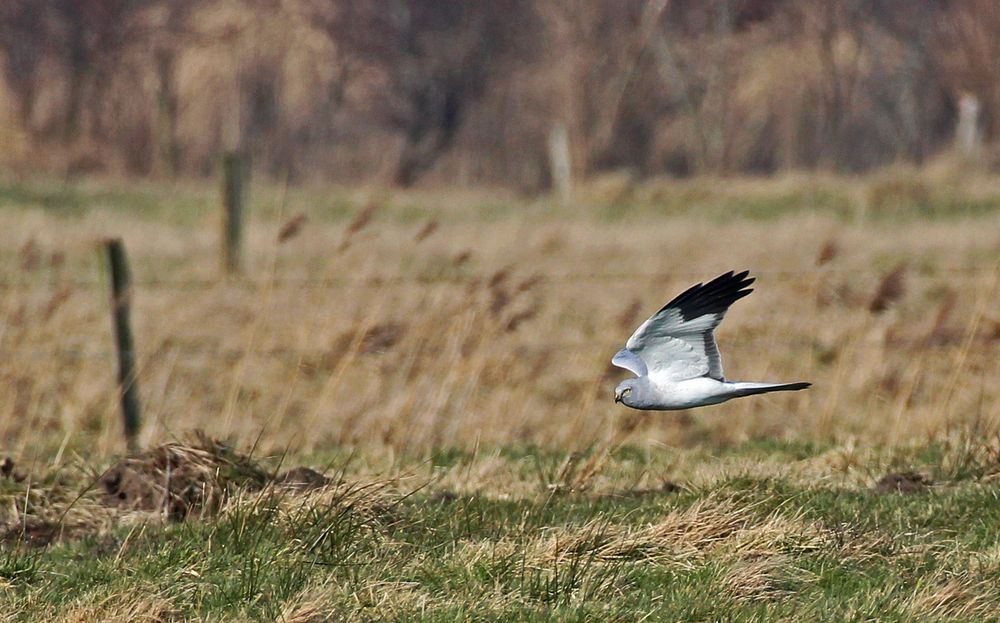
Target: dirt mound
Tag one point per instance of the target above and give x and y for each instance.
(175, 481)
(302, 479)
(180, 479)
(902, 482)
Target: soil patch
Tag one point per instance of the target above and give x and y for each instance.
(902, 482)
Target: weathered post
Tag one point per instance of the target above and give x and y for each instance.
(967, 132)
(121, 303)
(233, 198)
(560, 165)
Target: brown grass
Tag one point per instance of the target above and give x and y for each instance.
(124, 607)
(488, 332)
(686, 537)
(176, 482)
(958, 596)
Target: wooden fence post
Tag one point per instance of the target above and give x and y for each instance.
(121, 302)
(560, 162)
(233, 198)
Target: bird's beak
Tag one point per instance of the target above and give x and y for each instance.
(618, 396)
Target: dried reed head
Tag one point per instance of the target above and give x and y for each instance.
(427, 230)
(292, 227)
(890, 289)
(360, 221)
(827, 252)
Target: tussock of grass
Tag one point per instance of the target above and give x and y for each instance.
(961, 596)
(130, 606)
(55, 507)
(712, 527)
(763, 579)
(761, 546)
(176, 481)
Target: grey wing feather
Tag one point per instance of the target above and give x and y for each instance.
(714, 358)
(678, 342)
(631, 362)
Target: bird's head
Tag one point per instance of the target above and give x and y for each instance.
(625, 390)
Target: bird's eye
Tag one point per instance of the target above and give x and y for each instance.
(627, 390)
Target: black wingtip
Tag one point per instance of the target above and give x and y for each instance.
(713, 297)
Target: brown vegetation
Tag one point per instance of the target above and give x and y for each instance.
(492, 331)
(398, 90)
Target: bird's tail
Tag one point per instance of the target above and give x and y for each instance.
(749, 389)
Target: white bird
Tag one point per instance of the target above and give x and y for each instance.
(675, 356)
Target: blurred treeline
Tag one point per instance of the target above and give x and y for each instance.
(472, 91)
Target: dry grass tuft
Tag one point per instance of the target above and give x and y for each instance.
(710, 527)
(38, 513)
(124, 607)
(176, 481)
(370, 504)
(763, 579)
(311, 606)
(955, 596)
(179, 479)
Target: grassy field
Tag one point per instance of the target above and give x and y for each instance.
(758, 532)
(443, 357)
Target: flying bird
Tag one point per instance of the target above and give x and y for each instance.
(675, 357)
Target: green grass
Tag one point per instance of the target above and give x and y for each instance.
(744, 545)
(886, 197)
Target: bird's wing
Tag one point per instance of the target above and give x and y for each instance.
(631, 362)
(677, 342)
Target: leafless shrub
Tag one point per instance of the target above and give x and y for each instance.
(650, 87)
